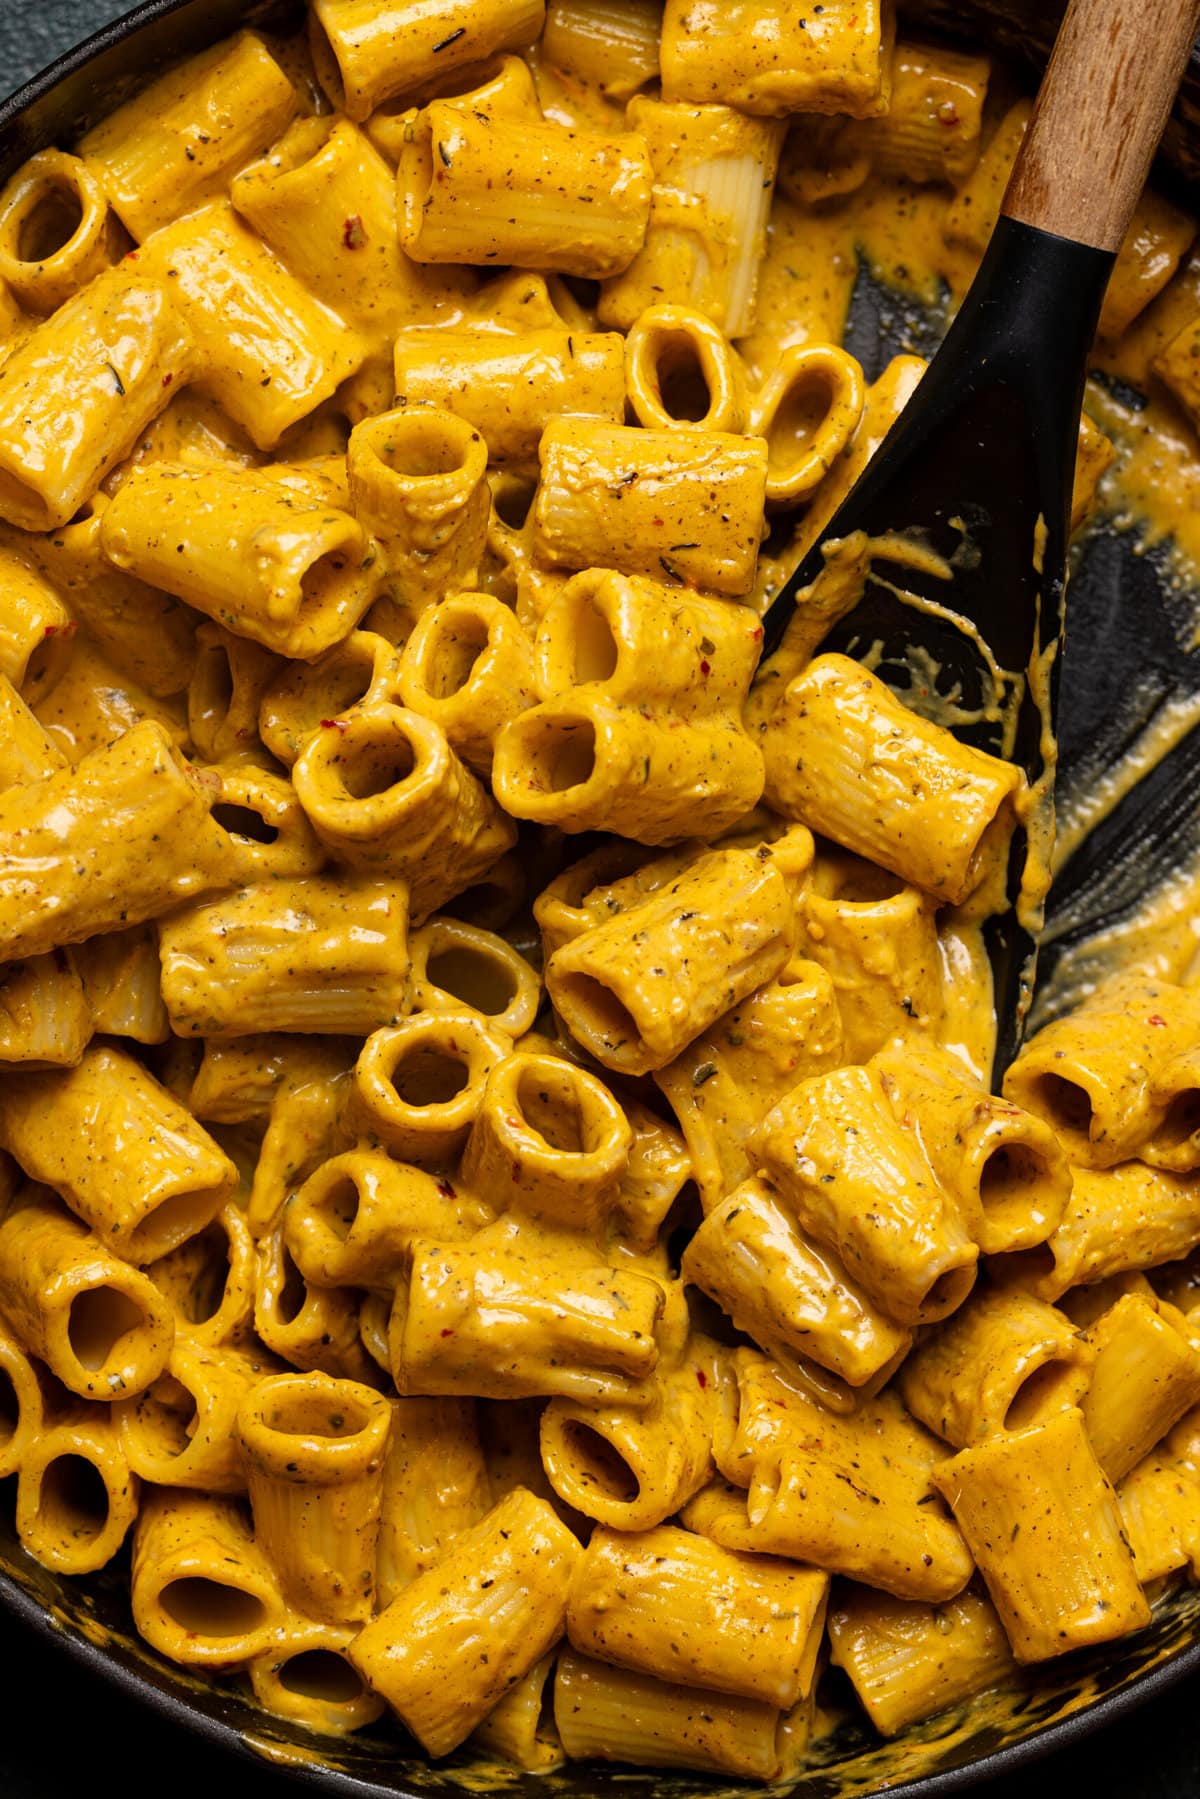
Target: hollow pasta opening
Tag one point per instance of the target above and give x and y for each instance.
(556, 1116)
(681, 379)
(593, 648)
(73, 1501)
(293, 1292)
(598, 1465)
(480, 980)
(298, 1412)
(211, 1608)
(1047, 1389)
(599, 1009)
(427, 1075)
(167, 1417)
(559, 753)
(453, 654)
(1007, 1177)
(374, 766)
(322, 586)
(855, 882)
(170, 1223)
(422, 449)
(213, 686)
(50, 222)
(44, 665)
(512, 497)
(321, 1674)
(245, 823)
(98, 1320)
(949, 1290)
(1181, 1122)
(337, 1206)
(802, 409)
(1066, 1104)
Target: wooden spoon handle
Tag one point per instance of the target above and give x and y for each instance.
(1101, 110)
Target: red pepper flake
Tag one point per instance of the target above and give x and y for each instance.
(702, 1377)
(659, 522)
(353, 234)
(705, 666)
(447, 1332)
(67, 630)
(446, 1190)
(167, 380)
(333, 724)
(757, 631)
(1154, 1018)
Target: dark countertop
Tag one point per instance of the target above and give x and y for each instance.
(61, 1728)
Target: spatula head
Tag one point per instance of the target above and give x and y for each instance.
(978, 471)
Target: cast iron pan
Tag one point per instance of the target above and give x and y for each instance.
(1123, 660)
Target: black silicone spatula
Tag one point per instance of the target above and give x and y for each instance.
(979, 466)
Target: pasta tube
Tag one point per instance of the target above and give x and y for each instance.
(908, 1661)
(727, 1080)
(119, 976)
(56, 231)
(1146, 1375)
(314, 1450)
(272, 563)
(897, 1230)
(181, 1431)
(76, 1497)
(795, 1300)
(296, 704)
(203, 1592)
(685, 504)
(319, 953)
(435, 1487)
(22, 1406)
(632, 1469)
(365, 56)
(266, 821)
(72, 861)
(637, 989)
(509, 387)
(45, 1018)
(26, 752)
(1117, 1219)
(1004, 1362)
(584, 764)
(120, 1149)
(1003, 1167)
(808, 410)
(224, 693)
(270, 353)
(520, 1728)
(518, 1312)
(853, 1495)
(419, 481)
(714, 174)
(306, 1677)
(613, 1714)
(654, 1178)
(570, 200)
(468, 667)
(609, 44)
(681, 370)
(178, 142)
(105, 362)
(417, 1087)
(325, 201)
(209, 1282)
(387, 793)
(639, 643)
(764, 59)
(310, 1327)
(461, 968)
(548, 1141)
(35, 629)
(849, 760)
(355, 1221)
(102, 1327)
(646, 1601)
(1042, 1523)
(511, 1571)
(1092, 1075)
